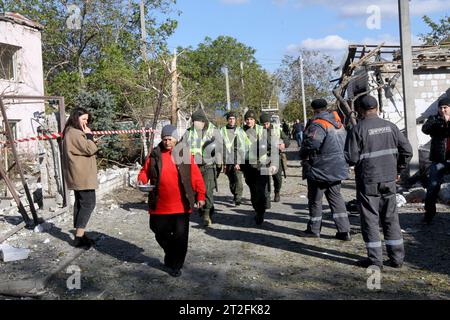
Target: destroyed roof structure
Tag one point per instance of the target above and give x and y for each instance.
(376, 69)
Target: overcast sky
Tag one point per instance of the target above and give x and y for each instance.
(278, 27)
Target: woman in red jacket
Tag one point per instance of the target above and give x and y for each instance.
(178, 188)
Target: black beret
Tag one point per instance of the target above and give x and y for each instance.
(230, 114)
(250, 114)
(319, 104)
(368, 102)
(444, 102)
(199, 115)
(264, 117)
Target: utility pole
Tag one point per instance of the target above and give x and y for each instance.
(408, 89)
(242, 83)
(143, 32)
(174, 88)
(227, 83)
(303, 90)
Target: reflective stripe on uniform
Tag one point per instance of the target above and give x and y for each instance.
(340, 215)
(376, 244)
(314, 219)
(393, 242)
(197, 143)
(377, 154)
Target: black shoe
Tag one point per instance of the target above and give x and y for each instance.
(428, 218)
(175, 272)
(259, 218)
(308, 234)
(366, 263)
(344, 236)
(277, 197)
(82, 242)
(237, 203)
(394, 264)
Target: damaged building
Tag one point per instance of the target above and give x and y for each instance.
(377, 70)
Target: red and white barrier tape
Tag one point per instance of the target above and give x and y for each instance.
(60, 135)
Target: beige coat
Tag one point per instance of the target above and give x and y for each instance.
(79, 161)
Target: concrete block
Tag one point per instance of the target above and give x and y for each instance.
(10, 253)
(421, 83)
(434, 83)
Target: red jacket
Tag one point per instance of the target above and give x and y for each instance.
(170, 199)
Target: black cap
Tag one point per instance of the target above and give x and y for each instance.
(368, 102)
(199, 115)
(250, 114)
(319, 104)
(169, 130)
(444, 102)
(230, 114)
(264, 117)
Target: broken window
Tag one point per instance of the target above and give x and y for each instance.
(7, 62)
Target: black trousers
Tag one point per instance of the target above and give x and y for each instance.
(172, 233)
(83, 207)
(259, 188)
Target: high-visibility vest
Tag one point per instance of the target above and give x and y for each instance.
(238, 133)
(196, 143)
(253, 144)
(276, 130)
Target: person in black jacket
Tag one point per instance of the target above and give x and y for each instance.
(379, 152)
(324, 165)
(438, 127)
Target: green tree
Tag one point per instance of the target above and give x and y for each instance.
(318, 72)
(72, 52)
(101, 105)
(203, 78)
(440, 32)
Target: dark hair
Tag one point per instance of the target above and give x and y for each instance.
(74, 121)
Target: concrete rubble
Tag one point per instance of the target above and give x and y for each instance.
(10, 253)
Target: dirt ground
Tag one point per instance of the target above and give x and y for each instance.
(232, 259)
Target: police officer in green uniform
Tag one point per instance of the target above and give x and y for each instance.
(283, 142)
(256, 165)
(234, 142)
(199, 137)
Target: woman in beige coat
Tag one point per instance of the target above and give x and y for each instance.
(79, 151)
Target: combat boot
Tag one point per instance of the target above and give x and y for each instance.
(206, 219)
(430, 211)
(259, 218)
(277, 197)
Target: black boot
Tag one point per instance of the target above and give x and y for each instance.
(277, 197)
(430, 211)
(83, 242)
(344, 236)
(259, 218)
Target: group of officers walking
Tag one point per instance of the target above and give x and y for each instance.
(375, 147)
(253, 152)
